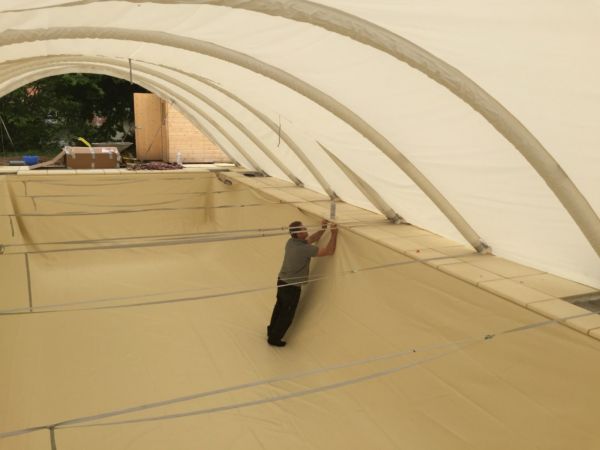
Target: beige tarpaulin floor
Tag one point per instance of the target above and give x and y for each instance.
(159, 295)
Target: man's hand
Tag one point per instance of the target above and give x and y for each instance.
(329, 249)
(316, 236)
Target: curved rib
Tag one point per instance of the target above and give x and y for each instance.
(371, 194)
(263, 117)
(240, 59)
(193, 92)
(67, 58)
(272, 125)
(239, 125)
(124, 74)
(458, 83)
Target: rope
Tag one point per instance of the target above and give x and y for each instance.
(157, 236)
(328, 387)
(301, 393)
(69, 307)
(116, 181)
(159, 243)
(238, 387)
(133, 211)
(166, 239)
(225, 232)
(459, 344)
(120, 194)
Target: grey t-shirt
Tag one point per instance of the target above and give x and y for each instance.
(296, 260)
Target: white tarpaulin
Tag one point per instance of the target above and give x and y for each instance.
(475, 120)
(463, 91)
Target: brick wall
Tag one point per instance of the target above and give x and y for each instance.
(184, 137)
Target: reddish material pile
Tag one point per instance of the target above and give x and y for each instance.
(155, 165)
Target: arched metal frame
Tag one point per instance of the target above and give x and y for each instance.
(204, 99)
(24, 66)
(293, 146)
(165, 93)
(443, 73)
(44, 60)
(240, 59)
(371, 194)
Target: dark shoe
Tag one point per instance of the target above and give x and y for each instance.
(278, 343)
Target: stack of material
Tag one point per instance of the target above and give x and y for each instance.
(155, 165)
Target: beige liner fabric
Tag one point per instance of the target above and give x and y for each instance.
(448, 386)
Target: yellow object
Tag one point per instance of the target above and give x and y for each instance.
(84, 141)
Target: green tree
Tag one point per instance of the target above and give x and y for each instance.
(52, 112)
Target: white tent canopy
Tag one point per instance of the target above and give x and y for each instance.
(134, 306)
(477, 121)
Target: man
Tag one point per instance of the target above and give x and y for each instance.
(294, 273)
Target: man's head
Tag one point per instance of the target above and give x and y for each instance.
(298, 231)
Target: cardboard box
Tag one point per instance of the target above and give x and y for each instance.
(92, 157)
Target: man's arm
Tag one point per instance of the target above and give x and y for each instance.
(329, 249)
(316, 236)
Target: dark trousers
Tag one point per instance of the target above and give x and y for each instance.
(288, 297)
